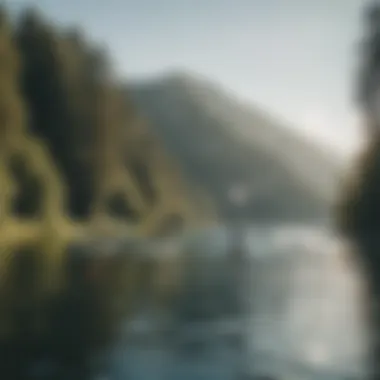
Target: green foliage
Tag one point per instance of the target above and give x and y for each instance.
(359, 206)
(70, 149)
(48, 95)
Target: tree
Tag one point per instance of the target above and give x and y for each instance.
(77, 108)
(51, 66)
(359, 207)
(369, 76)
(11, 110)
(71, 147)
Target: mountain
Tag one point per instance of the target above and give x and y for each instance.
(249, 164)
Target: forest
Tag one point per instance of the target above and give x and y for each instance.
(358, 206)
(76, 162)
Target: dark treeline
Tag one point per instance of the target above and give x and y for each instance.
(71, 148)
(61, 92)
(359, 207)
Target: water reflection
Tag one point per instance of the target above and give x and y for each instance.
(303, 319)
(309, 297)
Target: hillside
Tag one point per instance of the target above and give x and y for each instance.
(75, 163)
(252, 167)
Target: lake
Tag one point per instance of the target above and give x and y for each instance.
(301, 315)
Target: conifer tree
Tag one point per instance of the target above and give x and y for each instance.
(359, 207)
(11, 111)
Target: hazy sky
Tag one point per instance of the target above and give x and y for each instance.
(295, 57)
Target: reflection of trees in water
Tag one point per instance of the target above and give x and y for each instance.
(286, 288)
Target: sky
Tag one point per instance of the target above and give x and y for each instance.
(294, 58)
